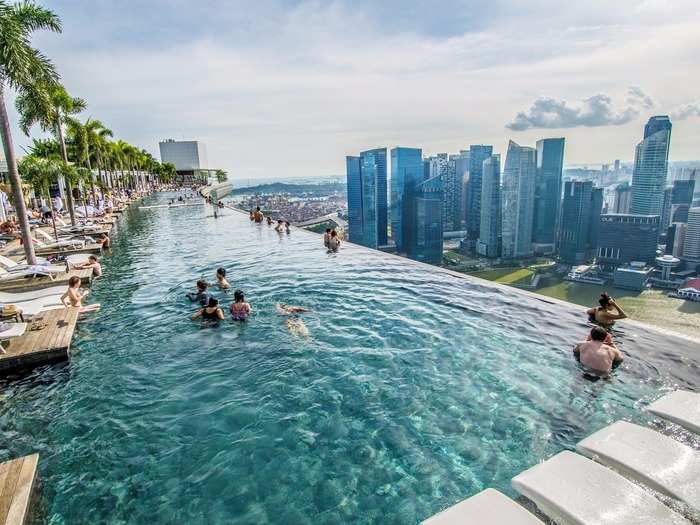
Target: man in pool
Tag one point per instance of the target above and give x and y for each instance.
(599, 354)
(92, 263)
(258, 215)
(201, 297)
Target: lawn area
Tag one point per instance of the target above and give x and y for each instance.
(506, 275)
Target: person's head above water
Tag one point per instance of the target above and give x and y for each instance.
(238, 296)
(202, 284)
(221, 272)
(604, 300)
(213, 302)
(279, 221)
(257, 208)
(328, 230)
(334, 233)
(74, 281)
(92, 258)
(598, 333)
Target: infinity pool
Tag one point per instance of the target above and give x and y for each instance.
(415, 389)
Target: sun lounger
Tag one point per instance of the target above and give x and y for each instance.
(12, 266)
(574, 490)
(488, 507)
(681, 407)
(647, 456)
(77, 258)
(20, 297)
(29, 271)
(10, 330)
(39, 305)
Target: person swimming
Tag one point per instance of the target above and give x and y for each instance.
(240, 309)
(221, 279)
(211, 313)
(297, 327)
(285, 309)
(598, 353)
(258, 216)
(334, 241)
(280, 226)
(201, 296)
(75, 296)
(269, 220)
(607, 313)
(93, 264)
(252, 215)
(327, 237)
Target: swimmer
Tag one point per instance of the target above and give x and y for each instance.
(607, 313)
(334, 241)
(269, 220)
(201, 297)
(92, 263)
(252, 215)
(240, 310)
(599, 354)
(297, 327)
(211, 312)
(258, 215)
(75, 296)
(221, 279)
(280, 226)
(104, 241)
(327, 237)
(285, 309)
(287, 227)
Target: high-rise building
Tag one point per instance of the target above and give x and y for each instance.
(186, 155)
(550, 161)
(580, 216)
(443, 166)
(617, 164)
(675, 238)
(489, 243)
(651, 167)
(406, 175)
(477, 155)
(519, 174)
(427, 245)
(691, 246)
(367, 198)
(681, 199)
(624, 238)
(462, 172)
(665, 220)
(623, 198)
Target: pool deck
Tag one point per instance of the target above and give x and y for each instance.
(17, 479)
(24, 284)
(38, 347)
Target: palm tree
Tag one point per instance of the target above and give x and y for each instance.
(41, 173)
(86, 140)
(221, 176)
(50, 115)
(24, 69)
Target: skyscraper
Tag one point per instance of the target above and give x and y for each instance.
(462, 170)
(624, 238)
(427, 245)
(691, 246)
(367, 198)
(651, 167)
(550, 161)
(489, 243)
(519, 176)
(665, 221)
(477, 155)
(681, 199)
(623, 198)
(580, 214)
(406, 174)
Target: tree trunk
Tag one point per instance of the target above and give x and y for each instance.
(92, 180)
(53, 214)
(15, 182)
(69, 186)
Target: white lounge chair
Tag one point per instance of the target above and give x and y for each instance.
(10, 330)
(12, 266)
(77, 258)
(55, 245)
(21, 297)
(29, 271)
(647, 456)
(36, 306)
(681, 407)
(488, 507)
(574, 490)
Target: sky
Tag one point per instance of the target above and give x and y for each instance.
(282, 88)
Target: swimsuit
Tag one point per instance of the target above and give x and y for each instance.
(239, 314)
(210, 316)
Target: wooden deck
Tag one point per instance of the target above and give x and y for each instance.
(37, 347)
(24, 284)
(89, 248)
(17, 479)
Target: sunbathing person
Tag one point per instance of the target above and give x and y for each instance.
(607, 313)
(75, 296)
(240, 310)
(201, 297)
(93, 263)
(598, 354)
(285, 309)
(221, 279)
(211, 312)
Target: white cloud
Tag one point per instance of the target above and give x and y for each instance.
(686, 111)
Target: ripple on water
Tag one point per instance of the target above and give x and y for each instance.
(415, 389)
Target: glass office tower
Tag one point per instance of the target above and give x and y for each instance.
(406, 175)
(519, 176)
(550, 161)
(651, 167)
(367, 198)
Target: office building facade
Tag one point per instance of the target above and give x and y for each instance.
(579, 226)
(367, 198)
(675, 239)
(477, 155)
(623, 198)
(691, 244)
(550, 162)
(489, 243)
(624, 238)
(681, 199)
(186, 155)
(406, 175)
(651, 167)
(519, 174)
(428, 241)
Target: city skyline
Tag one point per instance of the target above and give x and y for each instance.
(276, 76)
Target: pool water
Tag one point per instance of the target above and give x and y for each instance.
(414, 390)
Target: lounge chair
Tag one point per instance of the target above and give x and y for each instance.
(12, 266)
(21, 297)
(681, 407)
(77, 258)
(488, 507)
(29, 271)
(655, 460)
(10, 330)
(574, 490)
(36, 306)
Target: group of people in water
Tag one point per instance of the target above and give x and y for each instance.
(599, 353)
(211, 313)
(258, 217)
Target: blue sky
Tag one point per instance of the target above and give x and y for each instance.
(288, 88)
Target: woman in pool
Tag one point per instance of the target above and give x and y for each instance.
(334, 241)
(607, 313)
(221, 279)
(75, 297)
(280, 226)
(210, 313)
(240, 310)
